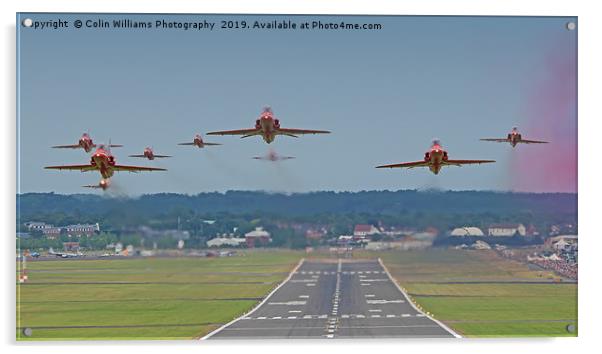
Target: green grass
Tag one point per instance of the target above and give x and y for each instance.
(479, 294)
(158, 298)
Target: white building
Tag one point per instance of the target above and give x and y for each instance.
(365, 230)
(506, 230)
(467, 231)
(226, 242)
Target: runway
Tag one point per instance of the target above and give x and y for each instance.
(335, 299)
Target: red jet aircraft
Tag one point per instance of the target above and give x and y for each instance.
(85, 142)
(273, 156)
(434, 159)
(103, 161)
(149, 154)
(198, 142)
(514, 138)
(103, 184)
(268, 127)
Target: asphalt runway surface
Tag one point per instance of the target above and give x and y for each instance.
(336, 299)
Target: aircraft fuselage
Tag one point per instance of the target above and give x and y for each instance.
(148, 153)
(86, 143)
(268, 125)
(435, 158)
(104, 162)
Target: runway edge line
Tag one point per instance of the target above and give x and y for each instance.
(208, 335)
(451, 331)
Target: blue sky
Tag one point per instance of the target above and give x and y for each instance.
(384, 94)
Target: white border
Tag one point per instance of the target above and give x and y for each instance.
(451, 331)
(590, 128)
(210, 334)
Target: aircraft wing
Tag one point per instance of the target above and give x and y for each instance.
(136, 168)
(115, 145)
(66, 146)
(496, 140)
(82, 168)
(406, 165)
(162, 156)
(287, 131)
(211, 144)
(186, 144)
(245, 132)
(466, 162)
(532, 141)
(137, 156)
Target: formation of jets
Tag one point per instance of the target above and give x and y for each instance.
(268, 127)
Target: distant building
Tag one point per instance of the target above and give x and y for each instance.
(79, 230)
(71, 246)
(506, 230)
(466, 231)
(37, 225)
(257, 237)
(314, 234)
(408, 243)
(52, 232)
(226, 242)
(47, 230)
(363, 230)
(394, 231)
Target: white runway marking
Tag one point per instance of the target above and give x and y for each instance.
(289, 303)
(276, 317)
(310, 284)
(261, 318)
(294, 311)
(375, 310)
(292, 317)
(302, 280)
(369, 295)
(406, 315)
(304, 296)
(375, 316)
(385, 301)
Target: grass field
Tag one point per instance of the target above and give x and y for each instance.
(479, 294)
(144, 298)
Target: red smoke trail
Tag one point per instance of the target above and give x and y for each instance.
(552, 116)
